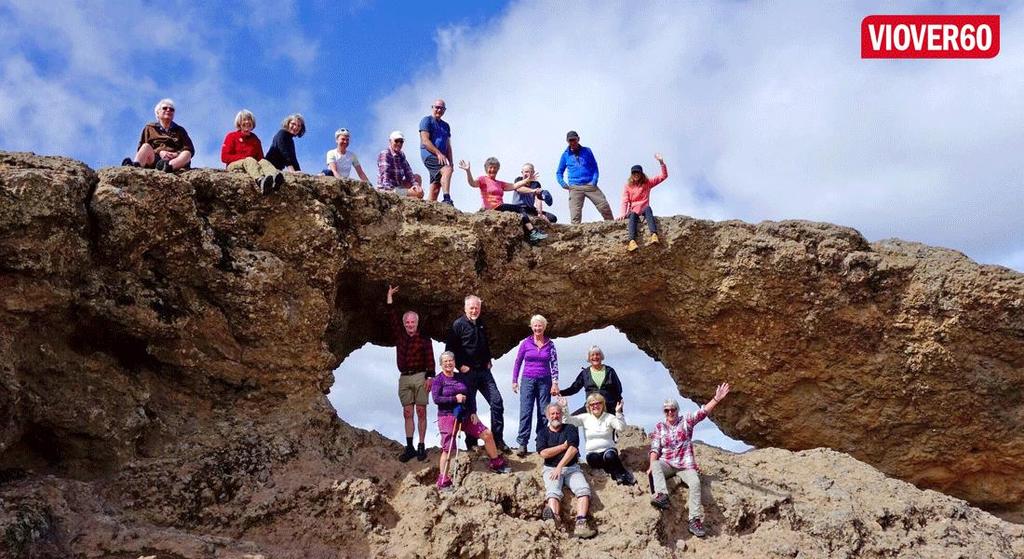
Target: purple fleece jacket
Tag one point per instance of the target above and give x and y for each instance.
(536, 362)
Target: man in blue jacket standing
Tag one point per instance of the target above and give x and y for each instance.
(582, 179)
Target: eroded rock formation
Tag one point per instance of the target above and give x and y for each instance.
(166, 342)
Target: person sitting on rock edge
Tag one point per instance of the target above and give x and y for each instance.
(242, 151)
(282, 148)
(163, 145)
(559, 446)
(451, 393)
(672, 454)
(492, 192)
(341, 161)
(636, 201)
(531, 203)
(599, 428)
(394, 174)
(415, 356)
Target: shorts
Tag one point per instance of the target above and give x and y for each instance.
(434, 166)
(571, 476)
(411, 389)
(446, 424)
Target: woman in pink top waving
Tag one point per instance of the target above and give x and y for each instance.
(636, 201)
(492, 191)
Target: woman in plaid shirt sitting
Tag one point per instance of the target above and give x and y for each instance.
(672, 454)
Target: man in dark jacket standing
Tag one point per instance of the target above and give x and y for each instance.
(468, 341)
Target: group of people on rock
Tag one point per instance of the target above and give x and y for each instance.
(165, 145)
(467, 370)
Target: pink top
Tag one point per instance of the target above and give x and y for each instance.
(636, 197)
(492, 191)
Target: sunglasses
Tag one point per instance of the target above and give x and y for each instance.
(440, 108)
(167, 109)
(671, 410)
(598, 404)
(399, 141)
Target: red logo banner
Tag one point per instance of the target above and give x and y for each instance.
(930, 36)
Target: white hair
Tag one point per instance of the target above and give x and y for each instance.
(446, 354)
(413, 313)
(244, 115)
(472, 298)
(595, 349)
(540, 319)
(162, 103)
(670, 403)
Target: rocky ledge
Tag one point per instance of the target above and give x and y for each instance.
(166, 342)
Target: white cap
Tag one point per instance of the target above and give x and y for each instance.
(396, 135)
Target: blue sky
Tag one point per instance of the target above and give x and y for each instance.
(764, 111)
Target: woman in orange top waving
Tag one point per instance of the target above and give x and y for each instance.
(636, 201)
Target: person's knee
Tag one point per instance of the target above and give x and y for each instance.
(446, 171)
(421, 411)
(611, 454)
(407, 412)
(487, 436)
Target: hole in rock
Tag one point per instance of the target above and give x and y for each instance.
(365, 390)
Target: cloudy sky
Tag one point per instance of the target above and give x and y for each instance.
(763, 111)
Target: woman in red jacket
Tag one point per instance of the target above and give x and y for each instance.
(636, 201)
(243, 150)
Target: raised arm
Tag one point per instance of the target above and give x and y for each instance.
(464, 165)
(576, 420)
(655, 181)
(720, 393)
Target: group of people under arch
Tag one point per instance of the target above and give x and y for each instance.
(467, 371)
(165, 145)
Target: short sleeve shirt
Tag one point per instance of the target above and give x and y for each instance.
(438, 131)
(344, 161)
(547, 438)
(492, 191)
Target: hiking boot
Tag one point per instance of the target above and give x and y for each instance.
(160, 164)
(407, 454)
(536, 236)
(444, 483)
(447, 199)
(421, 452)
(503, 448)
(499, 465)
(653, 239)
(632, 245)
(521, 451)
(266, 184)
(583, 529)
(278, 181)
(626, 478)
(697, 528)
(660, 501)
(548, 514)
(127, 162)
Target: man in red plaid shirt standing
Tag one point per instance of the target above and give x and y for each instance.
(672, 455)
(415, 354)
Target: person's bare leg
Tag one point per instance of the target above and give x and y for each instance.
(181, 160)
(488, 438)
(446, 179)
(407, 412)
(421, 416)
(582, 505)
(556, 506)
(435, 189)
(145, 156)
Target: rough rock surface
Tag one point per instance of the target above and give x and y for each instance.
(166, 342)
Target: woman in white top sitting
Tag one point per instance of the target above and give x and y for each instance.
(341, 161)
(599, 427)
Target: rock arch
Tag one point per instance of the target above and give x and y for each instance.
(245, 304)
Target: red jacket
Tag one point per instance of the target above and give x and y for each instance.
(238, 147)
(636, 197)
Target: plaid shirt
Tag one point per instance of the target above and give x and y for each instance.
(415, 353)
(393, 170)
(673, 444)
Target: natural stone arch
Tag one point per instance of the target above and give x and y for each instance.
(240, 306)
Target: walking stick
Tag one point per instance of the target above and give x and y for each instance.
(455, 439)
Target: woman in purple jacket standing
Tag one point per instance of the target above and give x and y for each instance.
(539, 363)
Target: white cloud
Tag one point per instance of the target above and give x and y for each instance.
(762, 112)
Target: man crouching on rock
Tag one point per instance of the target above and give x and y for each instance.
(672, 455)
(559, 446)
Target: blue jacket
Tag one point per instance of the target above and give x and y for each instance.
(582, 168)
